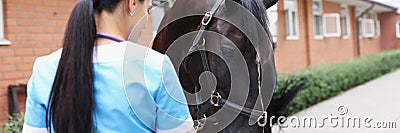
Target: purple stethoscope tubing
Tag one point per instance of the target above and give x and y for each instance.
(111, 37)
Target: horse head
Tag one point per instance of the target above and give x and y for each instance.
(210, 70)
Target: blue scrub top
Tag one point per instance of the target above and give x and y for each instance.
(136, 90)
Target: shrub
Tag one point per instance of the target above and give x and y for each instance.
(326, 81)
(14, 124)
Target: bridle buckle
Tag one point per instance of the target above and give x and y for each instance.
(200, 125)
(215, 99)
(206, 19)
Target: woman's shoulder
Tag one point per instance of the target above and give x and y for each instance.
(150, 58)
(43, 72)
(142, 51)
(46, 65)
(47, 62)
(152, 64)
(55, 55)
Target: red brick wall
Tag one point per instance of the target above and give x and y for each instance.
(294, 55)
(371, 45)
(329, 49)
(35, 28)
(290, 55)
(388, 28)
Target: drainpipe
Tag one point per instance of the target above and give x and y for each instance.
(358, 27)
(308, 37)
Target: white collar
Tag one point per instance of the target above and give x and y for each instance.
(104, 53)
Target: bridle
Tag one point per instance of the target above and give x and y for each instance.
(216, 100)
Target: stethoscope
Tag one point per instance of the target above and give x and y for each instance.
(111, 37)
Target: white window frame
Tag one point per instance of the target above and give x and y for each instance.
(296, 24)
(378, 28)
(364, 26)
(376, 23)
(3, 41)
(359, 22)
(273, 26)
(320, 13)
(347, 21)
(320, 5)
(338, 28)
(397, 29)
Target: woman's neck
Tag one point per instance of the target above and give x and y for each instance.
(112, 28)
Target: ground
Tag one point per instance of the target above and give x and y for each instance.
(375, 101)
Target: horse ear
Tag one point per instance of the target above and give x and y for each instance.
(269, 3)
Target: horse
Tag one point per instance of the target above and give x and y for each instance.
(219, 79)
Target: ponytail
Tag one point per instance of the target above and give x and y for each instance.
(71, 100)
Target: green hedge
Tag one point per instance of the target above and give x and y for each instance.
(14, 123)
(326, 81)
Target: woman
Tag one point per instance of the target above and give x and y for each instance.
(98, 82)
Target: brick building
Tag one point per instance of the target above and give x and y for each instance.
(31, 28)
(315, 32)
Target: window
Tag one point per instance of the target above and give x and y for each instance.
(272, 13)
(2, 40)
(317, 11)
(292, 22)
(371, 26)
(377, 24)
(359, 25)
(359, 22)
(371, 16)
(368, 26)
(358, 12)
(345, 21)
(398, 29)
(331, 23)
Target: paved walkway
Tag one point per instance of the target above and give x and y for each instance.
(376, 101)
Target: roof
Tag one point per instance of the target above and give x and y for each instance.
(379, 5)
(392, 3)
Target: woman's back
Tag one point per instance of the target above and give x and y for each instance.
(135, 89)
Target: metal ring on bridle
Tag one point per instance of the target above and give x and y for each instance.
(200, 125)
(262, 120)
(215, 99)
(207, 18)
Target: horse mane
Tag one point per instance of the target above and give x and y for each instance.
(258, 9)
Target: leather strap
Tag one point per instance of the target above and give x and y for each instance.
(204, 23)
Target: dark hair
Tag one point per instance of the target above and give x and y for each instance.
(71, 100)
(258, 9)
